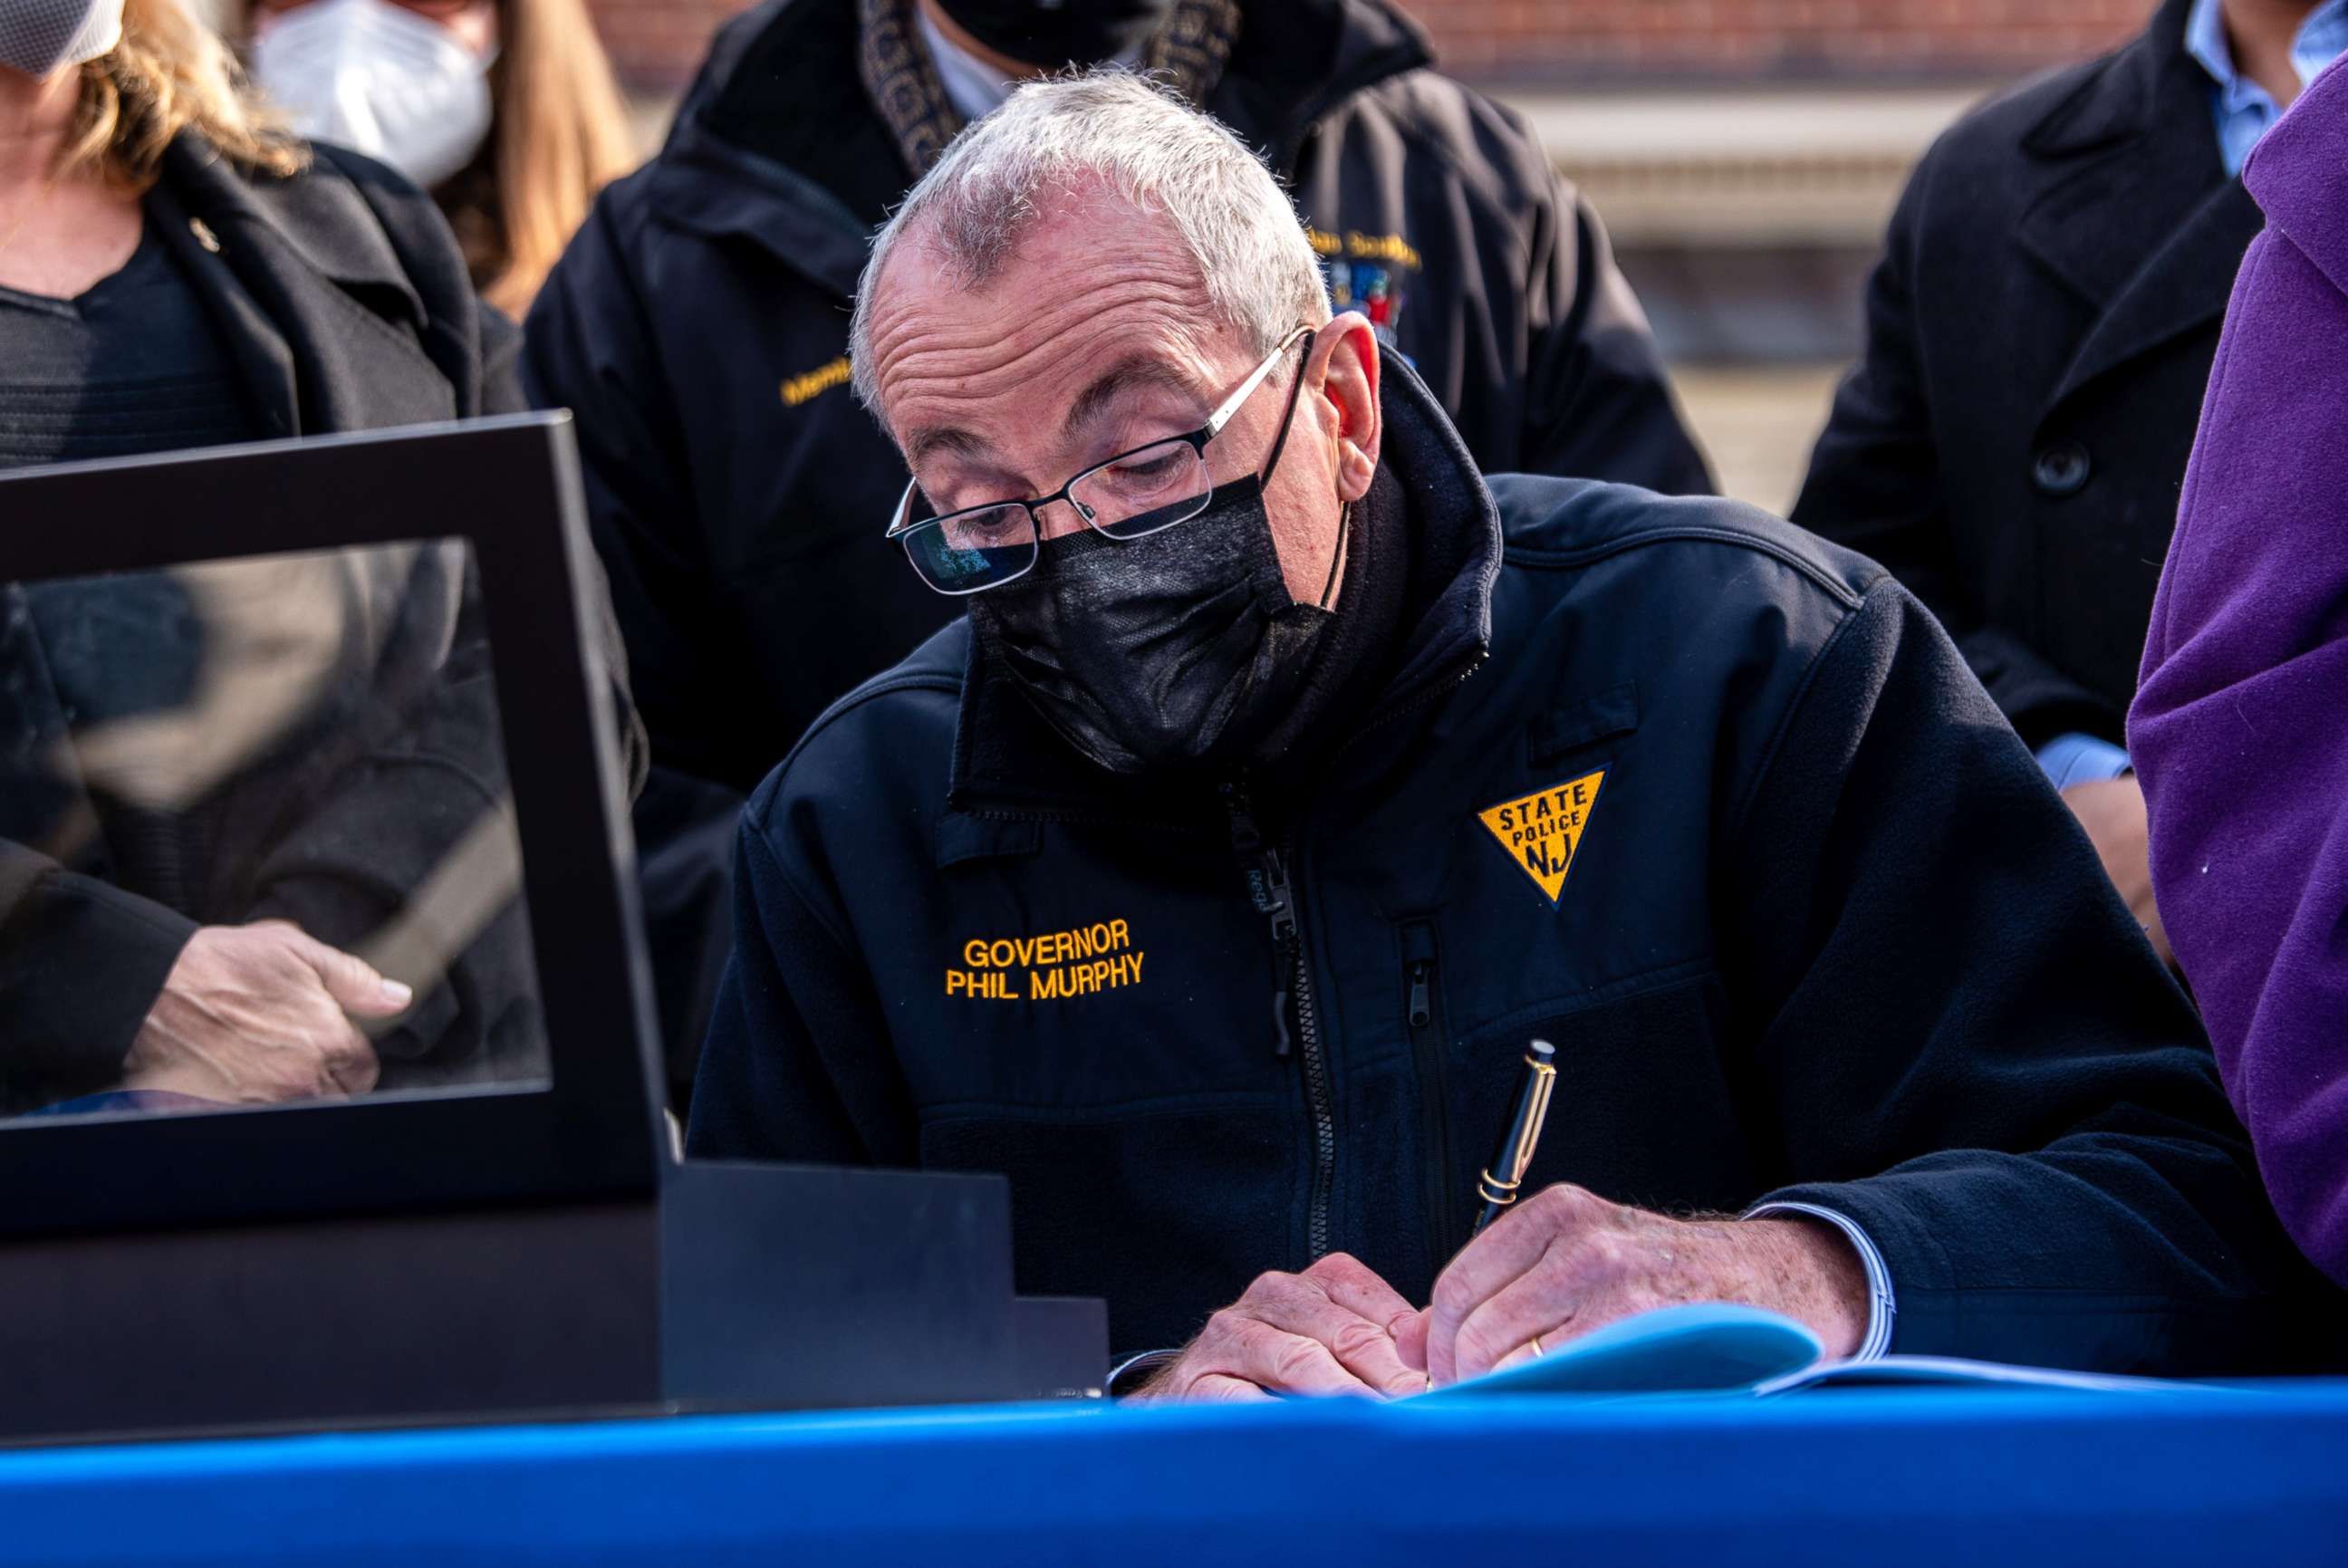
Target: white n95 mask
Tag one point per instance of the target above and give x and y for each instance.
(376, 77)
(36, 37)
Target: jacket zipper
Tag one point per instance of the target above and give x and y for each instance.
(1427, 696)
(1265, 867)
(1427, 1047)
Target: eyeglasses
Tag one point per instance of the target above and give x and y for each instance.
(1132, 494)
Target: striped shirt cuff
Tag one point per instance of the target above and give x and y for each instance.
(1881, 1309)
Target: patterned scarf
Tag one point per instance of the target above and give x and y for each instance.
(1188, 53)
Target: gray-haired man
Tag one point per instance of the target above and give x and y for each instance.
(1194, 884)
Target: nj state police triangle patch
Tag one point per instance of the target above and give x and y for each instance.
(1542, 832)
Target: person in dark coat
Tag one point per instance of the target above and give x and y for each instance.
(1209, 879)
(2039, 334)
(698, 330)
(192, 278)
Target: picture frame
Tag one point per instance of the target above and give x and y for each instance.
(595, 1131)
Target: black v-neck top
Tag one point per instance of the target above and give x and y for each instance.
(135, 364)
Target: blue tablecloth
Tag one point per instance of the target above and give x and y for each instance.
(1907, 1477)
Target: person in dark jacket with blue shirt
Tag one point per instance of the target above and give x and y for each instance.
(2039, 336)
(1287, 775)
(698, 328)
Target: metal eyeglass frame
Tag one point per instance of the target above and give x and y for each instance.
(1224, 412)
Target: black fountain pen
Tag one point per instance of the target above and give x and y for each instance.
(1517, 1140)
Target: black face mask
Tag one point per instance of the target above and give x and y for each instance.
(1051, 33)
(1176, 651)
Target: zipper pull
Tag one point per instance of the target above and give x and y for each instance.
(1285, 944)
(1421, 1013)
(1267, 884)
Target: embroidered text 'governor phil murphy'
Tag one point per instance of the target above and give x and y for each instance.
(1051, 967)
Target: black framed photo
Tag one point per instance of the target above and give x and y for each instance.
(316, 886)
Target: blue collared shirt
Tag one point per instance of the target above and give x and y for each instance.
(2245, 110)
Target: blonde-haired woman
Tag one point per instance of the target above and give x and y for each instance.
(175, 271)
(504, 109)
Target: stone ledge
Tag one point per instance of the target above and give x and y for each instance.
(1744, 167)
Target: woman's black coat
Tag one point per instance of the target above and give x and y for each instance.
(347, 306)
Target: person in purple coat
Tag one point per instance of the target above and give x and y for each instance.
(2239, 729)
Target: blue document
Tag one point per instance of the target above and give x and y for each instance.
(1718, 1347)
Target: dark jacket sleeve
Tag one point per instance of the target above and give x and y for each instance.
(504, 390)
(1598, 402)
(589, 349)
(1874, 485)
(1967, 1046)
(797, 1065)
(81, 964)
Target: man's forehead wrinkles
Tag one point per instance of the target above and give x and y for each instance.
(960, 364)
(948, 398)
(1044, 278)
(954, 325)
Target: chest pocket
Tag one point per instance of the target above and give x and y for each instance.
(1592, 719)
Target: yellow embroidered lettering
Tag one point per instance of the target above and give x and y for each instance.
(1081, 961)
(799, 389)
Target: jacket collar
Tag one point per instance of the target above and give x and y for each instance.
(1008, 762)
(2295, 174)
(779, 141)
(281, 264)
(1296, 60)
(776, 144)
(706, 184)
(2136, 217)
(900, 74)
(321, 220)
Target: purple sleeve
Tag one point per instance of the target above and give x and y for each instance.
(2239, 729)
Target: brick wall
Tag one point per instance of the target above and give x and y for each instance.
(1614, 40)
(656, 42)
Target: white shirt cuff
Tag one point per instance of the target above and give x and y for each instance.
(1134, 1370)
(1880, 1307)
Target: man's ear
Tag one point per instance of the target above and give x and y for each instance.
(1344, 371)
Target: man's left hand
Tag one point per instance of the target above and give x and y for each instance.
(2112, 810)
(1565, 1261)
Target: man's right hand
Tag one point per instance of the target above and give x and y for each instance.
(1329, 1330)
(259, 1014)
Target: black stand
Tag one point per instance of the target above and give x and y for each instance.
(745, 1287)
